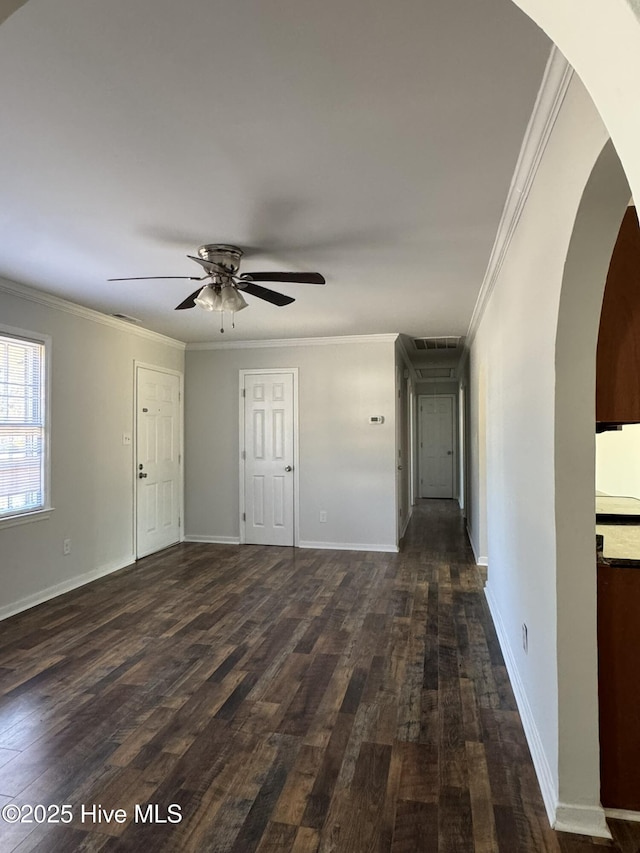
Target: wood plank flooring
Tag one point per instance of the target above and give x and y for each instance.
(282, 700)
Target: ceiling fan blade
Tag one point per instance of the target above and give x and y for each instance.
(297, 277)
(264, 293)
(210, 267)
(154, 277)
(189, 302)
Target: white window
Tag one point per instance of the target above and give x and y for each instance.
(23, 425)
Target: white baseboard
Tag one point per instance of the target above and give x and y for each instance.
(214, 540)
(564, 817)
(349, 546)
(623, 814)
(60, 588)
(330, 546)
(583, 820)
(542, 768)
(480, 561)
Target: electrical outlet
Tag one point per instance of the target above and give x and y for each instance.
(525, 638)
(66, 546)
(323, 515)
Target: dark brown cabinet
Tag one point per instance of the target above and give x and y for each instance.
(618, 358)
(619, 686)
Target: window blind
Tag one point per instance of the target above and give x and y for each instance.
(22, 426)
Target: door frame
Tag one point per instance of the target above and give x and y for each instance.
(462, 451)
(455, 486)
(412, 441)
(242, 450)
(134, 443)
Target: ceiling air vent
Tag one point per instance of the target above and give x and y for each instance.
(444, 343)
(126, 318)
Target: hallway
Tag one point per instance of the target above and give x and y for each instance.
(283, 699)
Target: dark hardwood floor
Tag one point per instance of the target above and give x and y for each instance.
(282, 699)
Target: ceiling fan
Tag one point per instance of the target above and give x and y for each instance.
(224, 287)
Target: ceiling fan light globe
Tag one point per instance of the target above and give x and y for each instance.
(208, 299)
(231, 299)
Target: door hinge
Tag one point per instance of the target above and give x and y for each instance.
(243, 454)
(244, 393)
(244, 516)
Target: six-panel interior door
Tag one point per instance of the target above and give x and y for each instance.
(269, 458)
(158, 467)
(436, 447)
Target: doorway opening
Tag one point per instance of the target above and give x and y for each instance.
(595, 229)
(618, 523)
(437, 439)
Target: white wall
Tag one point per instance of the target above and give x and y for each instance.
(513, 483)
(618, 461)
(91, 470)
(346, 465)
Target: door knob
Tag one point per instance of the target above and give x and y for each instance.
(449, 452)
(288, 468)
(399, 467)
(141, 476)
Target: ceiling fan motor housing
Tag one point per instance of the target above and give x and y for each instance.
(227, 257)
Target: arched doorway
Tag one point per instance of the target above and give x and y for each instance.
(536, 344)
(560, 699)
(596, 227)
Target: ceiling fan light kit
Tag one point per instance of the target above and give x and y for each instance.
(221, 263)
(221, 298)
(232, 299)
(209, 299)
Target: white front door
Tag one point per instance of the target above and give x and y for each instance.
(158, 465)
(436, 447)
(268, 458)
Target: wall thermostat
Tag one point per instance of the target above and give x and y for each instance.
(376, 419)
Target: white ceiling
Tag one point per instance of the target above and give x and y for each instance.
(371, 140)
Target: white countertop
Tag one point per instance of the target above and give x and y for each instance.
(621, 541)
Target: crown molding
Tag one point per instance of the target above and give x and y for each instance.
(555, 82)
(59, 304)
(295, 342)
